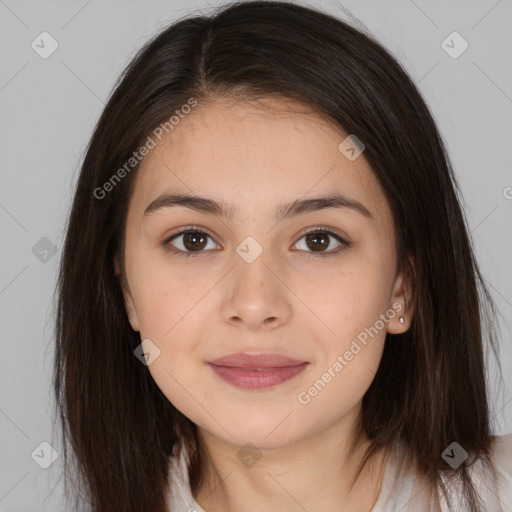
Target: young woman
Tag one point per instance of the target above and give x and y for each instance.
(268, 297)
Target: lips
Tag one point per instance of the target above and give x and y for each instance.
(256, 371)
(256, 361)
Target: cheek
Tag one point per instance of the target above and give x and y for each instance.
(171, 308)
(340, 386)
(170, 315)
(163, 296)
(350, 324)
(350, 336)
(350, 298)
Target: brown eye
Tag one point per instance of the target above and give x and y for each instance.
(189, 242)
(194, 240)
(319, 240)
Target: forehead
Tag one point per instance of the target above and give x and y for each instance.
(254, 156)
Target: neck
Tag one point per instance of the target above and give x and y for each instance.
(316, 474)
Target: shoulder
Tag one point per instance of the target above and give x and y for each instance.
(179, 494)
(492, 481)
(500, 455)
(407, 489)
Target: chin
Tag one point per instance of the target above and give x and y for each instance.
(266, 434)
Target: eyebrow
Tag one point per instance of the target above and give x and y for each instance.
(283, 211)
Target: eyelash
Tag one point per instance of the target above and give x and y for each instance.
(319, 229)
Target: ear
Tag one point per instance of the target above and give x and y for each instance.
(402, 300)
(128, 299)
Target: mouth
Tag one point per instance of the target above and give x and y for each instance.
(258, 371)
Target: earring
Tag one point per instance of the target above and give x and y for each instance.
(401, 319)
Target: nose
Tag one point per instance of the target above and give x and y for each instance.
(256, 296)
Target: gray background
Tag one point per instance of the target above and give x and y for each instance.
(48, 108)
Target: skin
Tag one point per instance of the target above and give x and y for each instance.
(290, 300)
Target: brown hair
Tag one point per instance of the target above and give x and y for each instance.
(117, 426)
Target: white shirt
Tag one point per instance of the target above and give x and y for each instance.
(403, 488)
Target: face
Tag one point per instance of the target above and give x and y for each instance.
(254, 281)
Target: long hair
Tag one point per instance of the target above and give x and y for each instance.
(118, 429)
